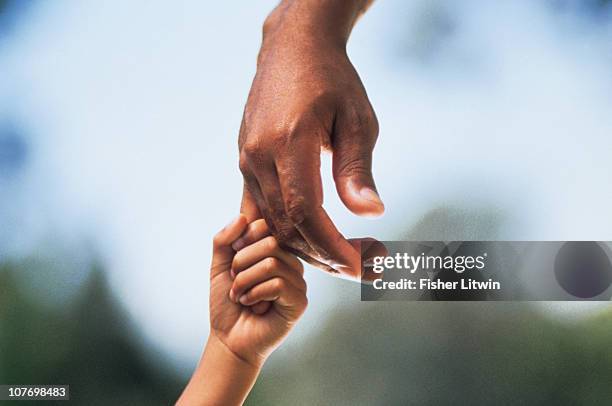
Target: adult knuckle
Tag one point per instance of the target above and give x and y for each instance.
(372, 124)
(250, 148)
(281, 136)
(297, 126)
(293, 127)
(243, 164)
(323, 97)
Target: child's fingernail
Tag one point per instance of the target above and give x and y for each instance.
(232, 295)
(243, 299)
(238, 244)
(232, 274)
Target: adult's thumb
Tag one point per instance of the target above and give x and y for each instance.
(352, 168)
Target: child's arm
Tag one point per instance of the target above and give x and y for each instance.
(220, 378)
(256, 296)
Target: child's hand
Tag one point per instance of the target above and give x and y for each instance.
(256, 296)
(244, 283)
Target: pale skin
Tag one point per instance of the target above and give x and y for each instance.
(256, 296)
(306, 98)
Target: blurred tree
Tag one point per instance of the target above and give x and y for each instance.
(444, 353)
(89, 345)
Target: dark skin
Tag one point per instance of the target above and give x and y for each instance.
(307, 98)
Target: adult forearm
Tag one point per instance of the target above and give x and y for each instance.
(329, 21)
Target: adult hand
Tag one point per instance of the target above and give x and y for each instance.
(307, 97)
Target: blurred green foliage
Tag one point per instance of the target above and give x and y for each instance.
(89, 345)
(445, 353)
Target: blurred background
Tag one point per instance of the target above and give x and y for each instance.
(118, 162)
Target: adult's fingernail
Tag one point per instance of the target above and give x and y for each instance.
(370, 195)
(238, 244)
(345, 271)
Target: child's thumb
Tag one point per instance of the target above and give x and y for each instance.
(223, 253)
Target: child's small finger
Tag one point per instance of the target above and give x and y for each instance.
(222, 250)
(287, 297)
(267, 247)
(265, 269)
(255, 231)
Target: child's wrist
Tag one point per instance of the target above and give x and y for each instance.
(216, 347)
(221, 378)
